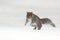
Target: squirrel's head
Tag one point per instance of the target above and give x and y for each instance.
(29, 15)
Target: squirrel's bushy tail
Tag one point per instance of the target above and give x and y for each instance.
(53, 24)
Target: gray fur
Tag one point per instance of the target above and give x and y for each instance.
(37, 22)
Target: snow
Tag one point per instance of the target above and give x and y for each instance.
(13, 16)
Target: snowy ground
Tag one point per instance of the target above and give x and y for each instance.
(12, 19)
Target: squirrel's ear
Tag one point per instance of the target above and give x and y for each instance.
(31, 12)
(27, 12)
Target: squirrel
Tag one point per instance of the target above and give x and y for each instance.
(36, 22)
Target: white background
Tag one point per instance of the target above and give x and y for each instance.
(13, 15)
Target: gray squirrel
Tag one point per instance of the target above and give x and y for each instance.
(36, 22)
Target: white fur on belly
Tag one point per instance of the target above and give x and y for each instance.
(29, 20)
(33, 24)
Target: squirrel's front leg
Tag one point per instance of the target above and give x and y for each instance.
(26, 21)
